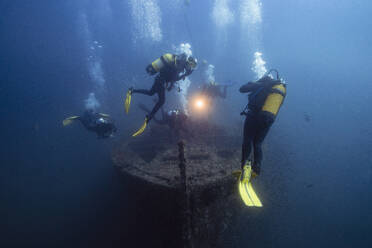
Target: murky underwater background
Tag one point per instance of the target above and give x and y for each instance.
(58, 187)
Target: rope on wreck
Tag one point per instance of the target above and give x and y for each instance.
(186, 229)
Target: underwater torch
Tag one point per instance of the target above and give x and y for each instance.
(199, 104)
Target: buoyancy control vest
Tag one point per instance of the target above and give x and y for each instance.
(269, 98)
(160, 63)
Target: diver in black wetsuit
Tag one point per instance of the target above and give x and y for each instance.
(265, 99)
(214, 90)
(171, 68)
(99, 123)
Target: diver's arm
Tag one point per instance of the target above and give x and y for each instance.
(184, 75)
(248, 87)
(150, 70)
(187, 73)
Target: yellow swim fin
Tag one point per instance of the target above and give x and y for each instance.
(256, 201)
(143, 127)
(128, 100)
(69, 120)
(246, 190)
(245, 197)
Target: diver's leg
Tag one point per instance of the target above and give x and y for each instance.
(261, 133)
(248, 135)
(153, 89)
(143, 91)
(161, 100)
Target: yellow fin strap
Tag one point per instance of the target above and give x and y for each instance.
(143, 127)
(127, 101)
(69, 120)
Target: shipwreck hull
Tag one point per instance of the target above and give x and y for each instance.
(188, 185)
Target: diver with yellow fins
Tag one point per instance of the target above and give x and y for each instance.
(99, 123)
(265, 99)
(171, 68)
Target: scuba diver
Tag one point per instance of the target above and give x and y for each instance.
(171, 68)
(175, 119)
(265, 99)
(99, 123)
(213, 89)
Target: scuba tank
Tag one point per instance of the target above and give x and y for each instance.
(275, 97)
(165, 60)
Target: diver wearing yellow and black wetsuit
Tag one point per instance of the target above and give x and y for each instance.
(171, 68)
(265, 99)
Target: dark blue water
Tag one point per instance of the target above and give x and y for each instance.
(58, 187)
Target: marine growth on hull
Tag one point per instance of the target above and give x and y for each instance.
(211, 155)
